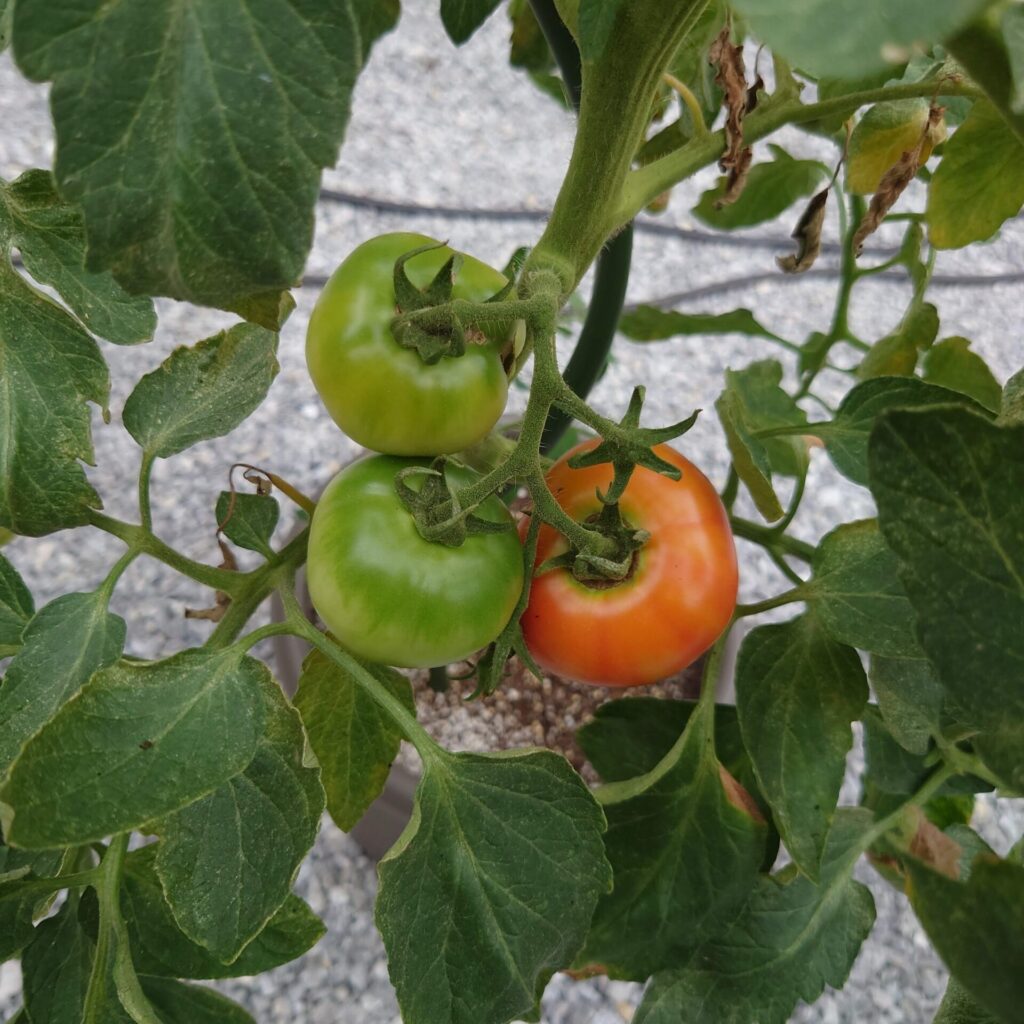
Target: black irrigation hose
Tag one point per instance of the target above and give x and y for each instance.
(646, 226)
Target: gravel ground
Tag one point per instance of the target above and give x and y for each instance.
(483, 159)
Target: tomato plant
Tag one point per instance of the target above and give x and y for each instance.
(383, 395)
(678, 597)
(391, 596)
(181, 176)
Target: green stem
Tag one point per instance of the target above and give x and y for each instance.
(789, 597)
(117, 570)
(257, 586)
(424, 743)
(262, 633)
(108, 885)
(149, 544)
(647, 183)
(614, 113)
(928, 789)
(590, 356)
(145, 474)
(794, 504)
(732, 488)
(766, 537)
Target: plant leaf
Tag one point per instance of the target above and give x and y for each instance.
(846, 437)
(628, 737)
(976, 928)
(134, 744)
(50, 237)
(771, 188)
(461, 18)
(896, 354)
(909, 697)
(797, 691)
(16, 608)
(66, 642)
(160, 947)
(793, 939)
(196, 155)
(948, 483)
(491, 887)
(353, 739)
(649, 323)
(596, 21)
(684, 859)
(978, 184)
(253, 518)
(203, 391)
(227, 861)
(860, 37)
(953, 365)
(881, 137)
(960, 1007)
(179, 1003)
(857, 594)
(20, 900)
(52, 368)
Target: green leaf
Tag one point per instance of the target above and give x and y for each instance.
(947, 484)
(179, 1003)
(20, 900)
(50, 237)
(16, 608)
(691, 66)
(253, 518)
(160, 947)
(491, 886)
(52, 368)
(1011, 409)
(628, 737)
(896, 354)
(196, 154)
(976, 928)
(752, 402)
(889, 767)
(6, 11)
(909, 697)
(227, 861)
(203, 391)
(69, 640)
(797, 691)
(771, 189)
(978, 184)
(857, 594)
(880, 138)
(846, 437)
(648, 323)
(852, 38)
(374, 18)
(793, 939)
(1013, 38)
(461, 18)
(134, 744)
(596, 21)
(56, 968)
(953, 365)
(960, 1007)
(354, 740)
(684, 859)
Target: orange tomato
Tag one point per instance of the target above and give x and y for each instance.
(674, 604)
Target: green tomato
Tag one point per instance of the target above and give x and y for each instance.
(383, 395)
(390, 596)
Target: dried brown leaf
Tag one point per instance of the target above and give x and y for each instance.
(731, 76)
(222, 601)
(808, 236)
(935, 848)
(895, 180)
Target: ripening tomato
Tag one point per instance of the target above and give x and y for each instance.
(674, 604)
(383, 395)
(389, 595)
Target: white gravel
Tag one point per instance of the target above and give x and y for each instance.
(433, 124)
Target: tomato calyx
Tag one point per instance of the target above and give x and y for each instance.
(428, 320)
(436, 509)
